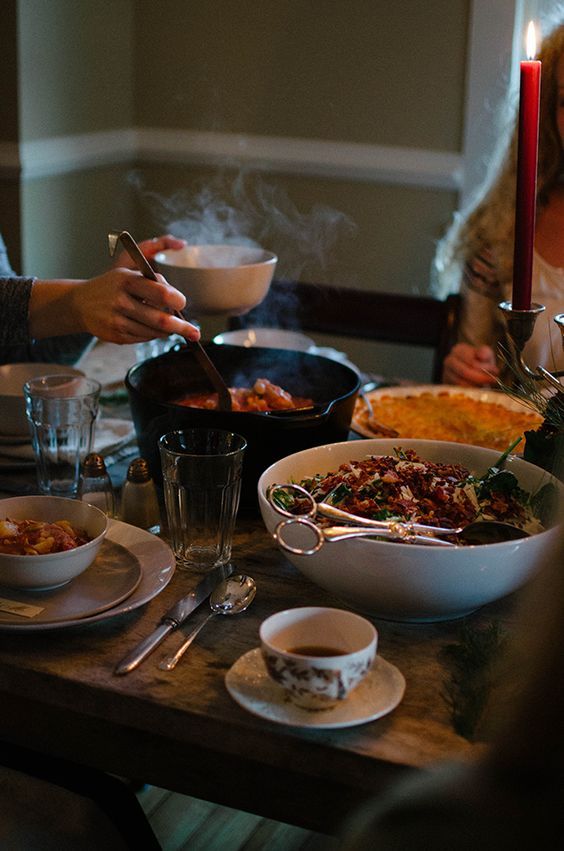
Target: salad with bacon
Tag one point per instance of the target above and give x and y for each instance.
(405, 487)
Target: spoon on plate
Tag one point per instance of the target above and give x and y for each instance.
(374, 424)
(224, 396)
(230, 597)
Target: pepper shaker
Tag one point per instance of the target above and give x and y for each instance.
(95, 485)
(139, 503)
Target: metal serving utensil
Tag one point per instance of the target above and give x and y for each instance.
(330, 534)
(477, 532)
(217, 382)
(334, 513)
(374, 424)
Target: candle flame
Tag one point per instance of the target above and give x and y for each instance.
(531, 40)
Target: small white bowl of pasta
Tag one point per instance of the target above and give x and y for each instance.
(46, 541)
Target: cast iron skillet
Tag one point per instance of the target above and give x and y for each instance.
(154, 385)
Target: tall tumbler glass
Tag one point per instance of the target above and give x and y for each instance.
(202, 483)
(62, 411)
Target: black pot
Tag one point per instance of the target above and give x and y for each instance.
(153, 384)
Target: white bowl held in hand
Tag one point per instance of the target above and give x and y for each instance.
(218, 279)
(49, 570)
(413, 582)
(13, 376)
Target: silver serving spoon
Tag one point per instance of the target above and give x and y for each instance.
(477, 532)
(491, 532)
(233, 595)
(374, 424)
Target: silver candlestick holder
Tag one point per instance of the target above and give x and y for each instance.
(520, 325)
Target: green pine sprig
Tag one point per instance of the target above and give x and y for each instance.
(472, 661)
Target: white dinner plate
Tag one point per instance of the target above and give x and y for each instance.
(268, 338)
(496, 397)
(14, 439)
(249, 684)
(8, 463)
(109, 435)
(154, 566)
(112, 577)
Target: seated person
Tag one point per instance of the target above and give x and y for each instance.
(476, 255)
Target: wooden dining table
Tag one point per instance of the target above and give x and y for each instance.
(182, 730)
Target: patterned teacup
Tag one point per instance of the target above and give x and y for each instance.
(318, 654)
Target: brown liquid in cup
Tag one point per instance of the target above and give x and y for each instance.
(316, 650)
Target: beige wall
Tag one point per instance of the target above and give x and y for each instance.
(376, 72)
(76, 71)
(383, 71)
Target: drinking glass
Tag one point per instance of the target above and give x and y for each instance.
(202, 483)
(62, 411)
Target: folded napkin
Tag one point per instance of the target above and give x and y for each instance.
(109, 436)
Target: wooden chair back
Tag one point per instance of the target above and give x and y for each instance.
(377, 316)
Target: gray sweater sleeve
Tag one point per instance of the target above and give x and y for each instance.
(16, 345)
(14, 306)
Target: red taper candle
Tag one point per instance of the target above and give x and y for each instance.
(526, 197)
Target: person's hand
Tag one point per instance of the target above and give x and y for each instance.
(469, 366)
(149, 247)
(122, 306)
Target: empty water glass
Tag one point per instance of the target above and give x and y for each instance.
(62, 412)
(202, 483)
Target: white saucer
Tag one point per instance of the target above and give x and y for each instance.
(249, 684)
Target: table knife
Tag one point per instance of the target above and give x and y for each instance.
(172, 619)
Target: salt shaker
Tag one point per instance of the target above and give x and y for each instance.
(95, 485)
(139, 503)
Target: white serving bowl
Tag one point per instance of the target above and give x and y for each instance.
(218, 279)
(41, 572)
(13, 376)
(266, 338)
(412, 582)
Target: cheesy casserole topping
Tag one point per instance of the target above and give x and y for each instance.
(448, 416)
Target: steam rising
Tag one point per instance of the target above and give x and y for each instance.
(245, 210)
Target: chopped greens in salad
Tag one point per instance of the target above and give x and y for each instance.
(405, 487)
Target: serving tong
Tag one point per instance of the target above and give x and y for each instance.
(357, 527)
(224, 396)
(477, 532)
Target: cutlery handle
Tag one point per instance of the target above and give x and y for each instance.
(205, 362)
(170, 662)
(142, 650)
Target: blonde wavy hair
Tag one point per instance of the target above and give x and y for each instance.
(490, 220)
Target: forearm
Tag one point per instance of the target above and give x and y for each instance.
(52, 309)
(120, 306)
